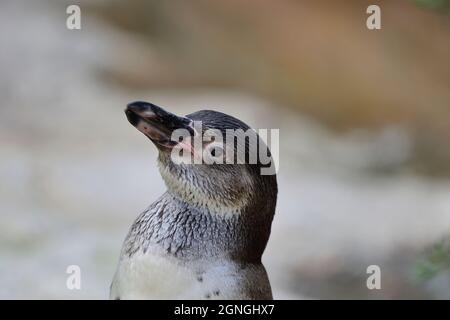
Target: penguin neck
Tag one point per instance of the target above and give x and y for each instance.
(204, 189)
(179, 229)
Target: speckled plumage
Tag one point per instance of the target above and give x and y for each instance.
(204, 237)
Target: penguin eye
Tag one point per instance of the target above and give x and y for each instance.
(216, 151)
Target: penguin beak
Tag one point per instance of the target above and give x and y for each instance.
(156, 123)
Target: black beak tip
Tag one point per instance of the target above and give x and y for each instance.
(132, 117)
(156, 116)
(134, 111)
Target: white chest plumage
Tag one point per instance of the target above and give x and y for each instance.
(153, 276)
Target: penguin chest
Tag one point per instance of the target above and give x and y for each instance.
(152, 276)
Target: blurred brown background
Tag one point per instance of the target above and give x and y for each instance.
(316, 57)
(364, 119)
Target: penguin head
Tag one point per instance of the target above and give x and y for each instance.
(209, 159)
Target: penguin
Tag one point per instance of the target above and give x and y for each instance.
(204, 237)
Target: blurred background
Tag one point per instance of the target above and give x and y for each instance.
(364, 119)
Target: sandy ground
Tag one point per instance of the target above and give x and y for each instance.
(74, 174)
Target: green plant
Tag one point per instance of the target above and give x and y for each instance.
(436, 261)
